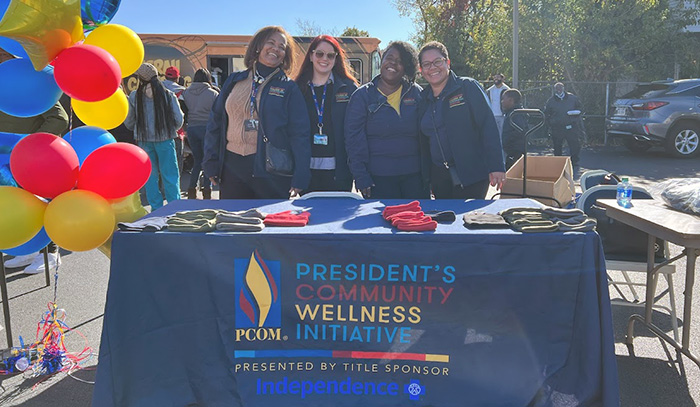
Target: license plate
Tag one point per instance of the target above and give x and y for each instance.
(621, 111)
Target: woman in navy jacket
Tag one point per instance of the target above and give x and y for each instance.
(459, 126)
(381, 129)
(326, 81)
(260, 101)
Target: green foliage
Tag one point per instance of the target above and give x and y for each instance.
(571, 40)
(354, 32)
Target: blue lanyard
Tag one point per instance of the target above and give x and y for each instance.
(319, 111)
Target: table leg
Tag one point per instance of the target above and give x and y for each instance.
(684, 346)
(45, 250)
(651, 278)
(691, 254)
(5, 302)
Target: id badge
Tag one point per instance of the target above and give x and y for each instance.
(320, 139)
(569, 127)
(250, 125)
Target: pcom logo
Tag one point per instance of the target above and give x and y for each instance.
(258, 306)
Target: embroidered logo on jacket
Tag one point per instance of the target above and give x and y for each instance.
(409, 101)
(276, 91)
(457, 100)
(342, 97)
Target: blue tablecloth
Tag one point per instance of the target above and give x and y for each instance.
(350, 312)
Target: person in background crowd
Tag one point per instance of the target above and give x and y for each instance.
(172, 83)
(54, 121)
(514, 127)
(563, 114)
(172, 76)
(494, 93)
(381, 130)
(327, 82)
(465, 147)
(154, 116)
(256, 106)
(199, 99)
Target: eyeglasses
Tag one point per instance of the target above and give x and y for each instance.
(438, 63)
(331, 55)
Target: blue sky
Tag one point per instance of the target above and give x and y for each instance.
(379, 17)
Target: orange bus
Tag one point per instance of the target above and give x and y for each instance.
(223, 54)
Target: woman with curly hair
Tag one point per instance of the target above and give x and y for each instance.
(257, 106)
(327, 82)
(381, 130)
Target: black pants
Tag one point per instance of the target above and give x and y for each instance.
(238, 182)
(324, 180)
(399, 187)
(443, 188)
(571, 137)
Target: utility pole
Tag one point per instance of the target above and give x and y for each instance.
(516, 14)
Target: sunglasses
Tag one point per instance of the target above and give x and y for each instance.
(438, 63)
(320, 54)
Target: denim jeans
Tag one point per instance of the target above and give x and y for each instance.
(164, 165)
(195, 136)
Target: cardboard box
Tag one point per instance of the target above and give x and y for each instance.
(547, 177)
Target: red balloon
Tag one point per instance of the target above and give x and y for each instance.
(44, 164)
(87, 73)
(115, 170)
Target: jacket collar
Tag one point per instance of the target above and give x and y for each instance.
(374, 87)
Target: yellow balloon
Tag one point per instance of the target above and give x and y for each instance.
(43, 27)
(124, 45)
(105, 114)
(126, 209)
(79, 220)
(21, 216)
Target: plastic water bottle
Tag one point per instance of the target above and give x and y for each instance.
(624, 193)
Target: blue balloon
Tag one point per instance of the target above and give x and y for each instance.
(12, 46)
(25, 92)
(4, 4)
(97, 12)
(6, 178)
(8, 141)
(38, 242)
(87, 139)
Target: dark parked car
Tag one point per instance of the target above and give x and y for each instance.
(659, 114)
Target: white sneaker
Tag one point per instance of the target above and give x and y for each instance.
(37, 265)
(20, 261)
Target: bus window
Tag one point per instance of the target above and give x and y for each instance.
(219, 68)
(356, 65)
(376, 63)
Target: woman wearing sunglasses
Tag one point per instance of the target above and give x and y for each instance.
(381, 130)
(257, 106)
(326, 81)
(456, 119)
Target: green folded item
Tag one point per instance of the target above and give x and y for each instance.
(197, 214)
(198, 225)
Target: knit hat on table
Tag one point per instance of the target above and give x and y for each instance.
(146, 72)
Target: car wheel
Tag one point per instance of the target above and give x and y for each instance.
(683, 140)
(636, 146)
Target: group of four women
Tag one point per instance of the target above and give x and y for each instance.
(393, 138)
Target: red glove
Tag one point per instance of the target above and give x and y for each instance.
(411, 206)
(412, 225)
(405, 215)
(287, 218)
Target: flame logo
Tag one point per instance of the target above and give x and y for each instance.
(259, 292)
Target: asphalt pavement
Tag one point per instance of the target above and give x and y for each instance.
(652, 378)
